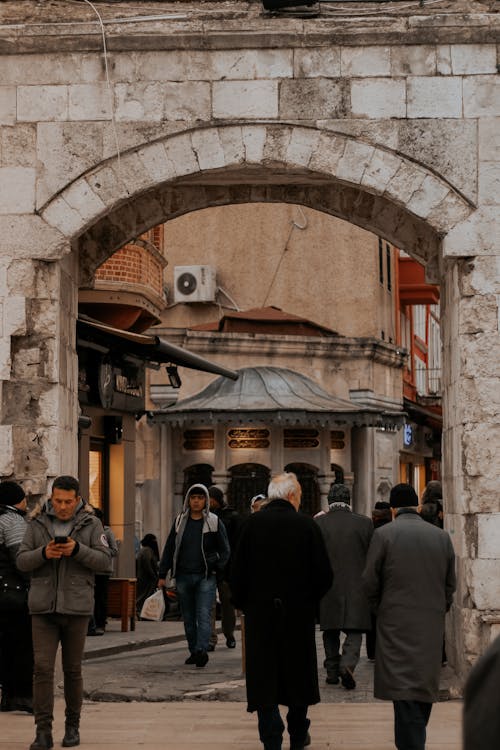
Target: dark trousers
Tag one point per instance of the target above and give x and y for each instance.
(16, 655)
(228, 614)
(335, 661)
(48, 631)
(371, 639)
(100, 601)
(410, 724)
(271, 726)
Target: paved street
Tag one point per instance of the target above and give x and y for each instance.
(148, 698)
(225, 726)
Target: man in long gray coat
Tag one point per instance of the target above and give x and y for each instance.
(344, 608)
(409, 580)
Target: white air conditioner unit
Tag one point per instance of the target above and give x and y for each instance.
(194, 284)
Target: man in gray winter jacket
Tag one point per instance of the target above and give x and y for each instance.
(64, 546)
(409, 579)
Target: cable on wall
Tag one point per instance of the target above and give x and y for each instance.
(110, 93)
(294, 225)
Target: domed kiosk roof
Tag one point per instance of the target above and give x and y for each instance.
(272, 395)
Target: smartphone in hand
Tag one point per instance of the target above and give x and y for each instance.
(60, 539)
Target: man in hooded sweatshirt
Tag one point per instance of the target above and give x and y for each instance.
(197, 549)
(63, 548)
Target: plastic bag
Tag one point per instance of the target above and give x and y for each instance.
(153, 607)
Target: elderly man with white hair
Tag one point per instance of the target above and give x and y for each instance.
(280, 572)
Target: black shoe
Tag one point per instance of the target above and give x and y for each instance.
(21, 704)
(71, 736)
(42, 741)
(230, 643)
(211, 647)
(347, 679)
(201, 658)
(5, 704)
(332, 680)
(191, 659)
(301, 745)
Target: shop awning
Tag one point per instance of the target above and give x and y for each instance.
(147, 347)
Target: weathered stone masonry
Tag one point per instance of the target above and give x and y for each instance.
(392, 124)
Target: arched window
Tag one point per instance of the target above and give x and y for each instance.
(308, 480)
(247, 480)
(197, 474)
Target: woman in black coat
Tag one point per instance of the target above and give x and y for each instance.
(147, 569)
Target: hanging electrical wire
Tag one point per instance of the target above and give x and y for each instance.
(294, 225)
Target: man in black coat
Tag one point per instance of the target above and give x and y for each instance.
(280, 572)
(344, 608)
(409, 579)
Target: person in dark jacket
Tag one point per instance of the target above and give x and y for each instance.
(280, 572)
(381, 514)
(232, 521)
(146, 565)
(195, 553)
(16, 645)
(344, 608)
(409, 580)
(481, 717)
(63, 548)
(97, 623)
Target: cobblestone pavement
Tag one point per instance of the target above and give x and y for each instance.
(158, 673)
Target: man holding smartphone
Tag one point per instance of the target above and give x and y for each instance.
(63, 548)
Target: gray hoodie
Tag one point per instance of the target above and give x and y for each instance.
(215, 545)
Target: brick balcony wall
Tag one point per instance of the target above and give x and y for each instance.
(133, 265)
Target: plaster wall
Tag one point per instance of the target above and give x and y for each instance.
(300, 260)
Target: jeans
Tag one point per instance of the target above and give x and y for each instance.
(196, 596)
(271, 726)
(48, 631)
(410, 724)
(334, 661)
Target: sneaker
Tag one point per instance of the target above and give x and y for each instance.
(201, 658)
(211, 647)
(191, 659)
(347, 679)
(230, 643)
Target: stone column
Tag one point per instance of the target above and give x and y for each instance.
(38, 369)
(471, 442)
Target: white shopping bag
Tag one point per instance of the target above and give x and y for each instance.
(153, 607)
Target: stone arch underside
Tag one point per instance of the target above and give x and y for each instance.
(378, 189)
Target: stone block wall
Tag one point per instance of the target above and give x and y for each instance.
(389, 124)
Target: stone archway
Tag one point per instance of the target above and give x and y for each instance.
(373, 187)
